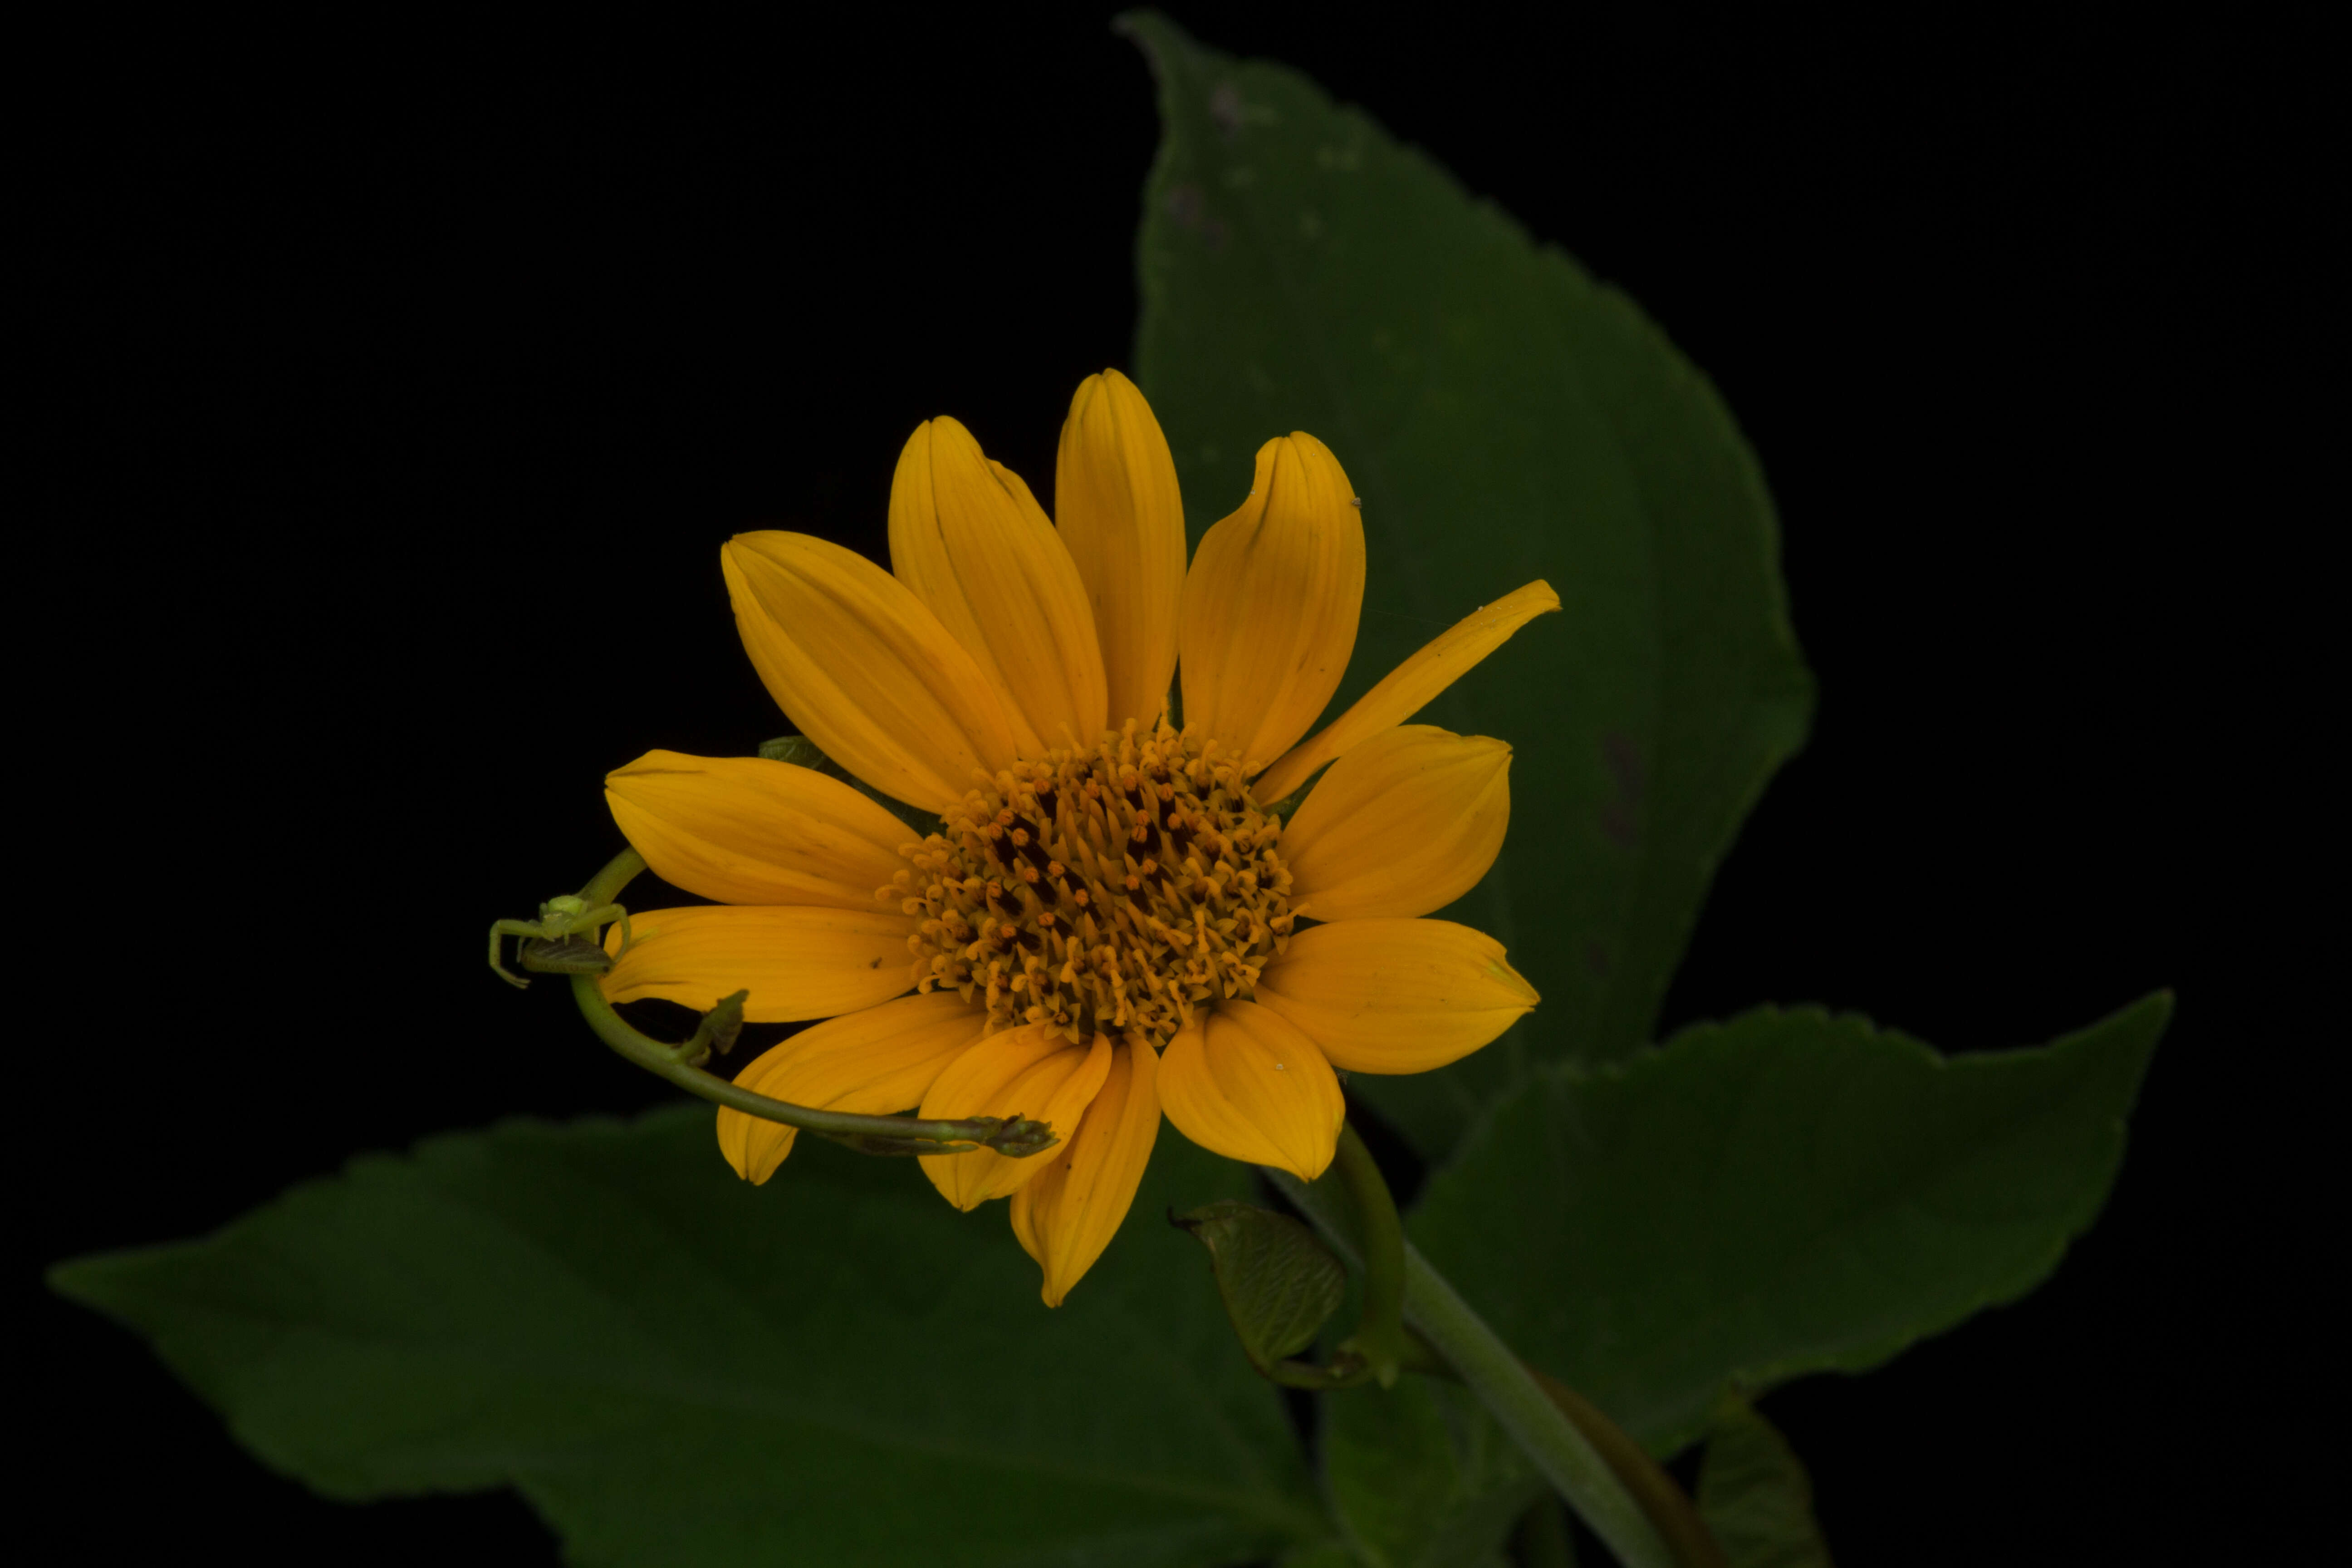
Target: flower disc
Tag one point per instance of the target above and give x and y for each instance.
(1115, 888)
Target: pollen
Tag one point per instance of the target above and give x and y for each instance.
(1117, 888)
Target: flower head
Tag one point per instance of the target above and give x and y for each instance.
(1109, 925)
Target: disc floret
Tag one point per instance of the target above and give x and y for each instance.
(1115, 888)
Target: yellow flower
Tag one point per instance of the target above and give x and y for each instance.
(1107, 926)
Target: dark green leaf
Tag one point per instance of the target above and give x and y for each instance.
(803, 752)
(1542, 1540)
(1280, 1284)
(1504, 417)
(1787, 1193)
(678, 1368)
(1322, 1554)
(1755, 1494)
(1421, 1475)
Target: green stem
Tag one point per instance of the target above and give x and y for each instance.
(1488, 1369)
(1017, 1138)
(1660, 1495)
(604, 887)
(1380, 1336)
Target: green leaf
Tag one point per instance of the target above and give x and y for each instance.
(1322, 1554)
(678, 1368)
(1279, 1284)
(1503, 418)
(1755, 1494)
(1422, 1477)
(1784, 1193)
(803, 752)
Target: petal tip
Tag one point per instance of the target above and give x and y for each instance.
(1501, 970)
(1312, 1170)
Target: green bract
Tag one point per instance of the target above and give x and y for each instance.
(1279, 1283)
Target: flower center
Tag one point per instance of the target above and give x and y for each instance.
(1115, 889)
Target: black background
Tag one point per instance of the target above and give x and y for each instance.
(407, 383)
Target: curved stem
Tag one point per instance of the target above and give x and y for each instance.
(869, 1134)
(1487, 1366)
(1380, 1336)
(604, 887)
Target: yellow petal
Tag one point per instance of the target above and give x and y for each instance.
(1269, 611)
(877, 1062)
(968, 537)
(1409, 687)
(1116, 501)
(1395, 996)
(1405, 824)
(1067, 1214)
(1244, 1083)
(798, 962)
(745, 830)
(865, 668)
(1028, 1071)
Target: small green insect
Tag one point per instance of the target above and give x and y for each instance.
(554, 943)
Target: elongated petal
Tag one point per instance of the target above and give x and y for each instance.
(877, 1062)
(1270, 606)
(1245, 1084)
(1029, 1071)
(1405, 824)
(1395, 996)
(745, 830)
(1067, 1215)
(1116, 502)
(798, 962)
(1409, 687)
(865, 668)
(968, 537)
